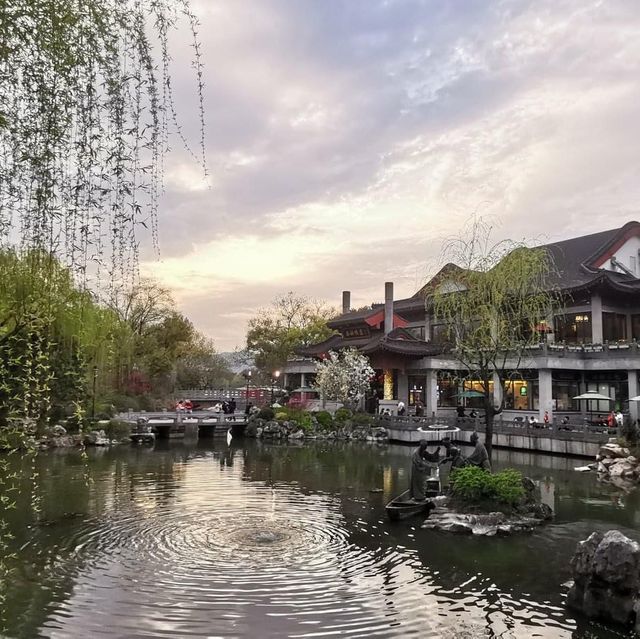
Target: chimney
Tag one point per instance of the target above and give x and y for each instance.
(388, 307)
(346, 301)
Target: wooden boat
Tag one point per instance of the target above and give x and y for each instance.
(403, 506)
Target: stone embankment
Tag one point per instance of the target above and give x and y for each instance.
(606, 574)
(616, 464)
(292, 431)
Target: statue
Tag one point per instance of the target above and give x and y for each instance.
(479, 456)
(422, 461)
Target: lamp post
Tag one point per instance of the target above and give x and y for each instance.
(93, 399)
(274, 379)
(246, 397)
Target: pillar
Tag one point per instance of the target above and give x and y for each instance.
(285, 382)
(388, 307)
(388, 384)
(431, 393)
(303, 380)
(629, 327)
(634, 391)
(545, 390)
(596, 319)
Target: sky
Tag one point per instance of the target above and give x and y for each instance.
(346, 140)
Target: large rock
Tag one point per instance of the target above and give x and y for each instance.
(482, 524)
(96, 438)
(612, 450)
(606, 572)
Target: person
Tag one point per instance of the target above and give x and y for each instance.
(232, 409)
(460, 410)
(421, 463)
(533, 421)
(611, 420)
(546, 418)
(180, 406)
(479, 456)
(188, 405)
(619, 419)
(248, 407)
(401, 409)
(473, 414)
(419, 408)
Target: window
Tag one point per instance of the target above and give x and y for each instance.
(614, 326)
(573, 328)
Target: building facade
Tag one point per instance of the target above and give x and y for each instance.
(591, 345)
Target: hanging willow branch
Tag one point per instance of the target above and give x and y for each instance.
(86, 111)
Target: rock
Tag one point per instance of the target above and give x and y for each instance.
(298, 434)
(96, 438)
(482, 524)
(606, 572)
(613, 450)
(621, 468)
(58, 431)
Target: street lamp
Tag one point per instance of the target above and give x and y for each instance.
(276, 375)
(246, 397)
(93, 399)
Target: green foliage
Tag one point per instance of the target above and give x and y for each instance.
(324, 419)
(302, 417)
(290, 322)
(361, 419)
(266, 413)
(116, 429)
(473, 484)
(343, 414)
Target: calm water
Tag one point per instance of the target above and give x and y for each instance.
(257, 540)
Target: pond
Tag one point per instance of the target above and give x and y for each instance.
(256, 540)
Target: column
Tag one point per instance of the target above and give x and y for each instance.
(303, 380)
(431, 393)
(634, 391)
(629, 327)
(596, 319)
(388, 384)
(545, 390)
(285, 382)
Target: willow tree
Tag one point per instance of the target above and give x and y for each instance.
(492, 306)
(86, 115)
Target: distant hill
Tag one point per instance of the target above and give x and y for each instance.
(237, 361)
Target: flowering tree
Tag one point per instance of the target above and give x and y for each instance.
(345, 377)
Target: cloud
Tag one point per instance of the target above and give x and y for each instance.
(346, 139)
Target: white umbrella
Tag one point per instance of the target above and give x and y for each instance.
(635, 399)
(593, 395)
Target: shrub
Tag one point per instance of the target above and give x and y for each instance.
(266, 413)
(281, 416)
(361, 419)
(474, 484)
(117, 429)
(342, 415)
(324, 419)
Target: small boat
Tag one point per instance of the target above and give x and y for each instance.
(404, 506)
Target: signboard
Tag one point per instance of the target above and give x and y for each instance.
(350, 333)
(523, 391)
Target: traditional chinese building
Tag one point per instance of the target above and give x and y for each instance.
(592, 345)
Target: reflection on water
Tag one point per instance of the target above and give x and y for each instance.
(204, 540)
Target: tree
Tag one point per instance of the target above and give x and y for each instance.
(143, 304)
(491, 306)
(201, 367)
(345, 377)
(290, 322)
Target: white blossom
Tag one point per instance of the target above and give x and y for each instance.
(345, 376)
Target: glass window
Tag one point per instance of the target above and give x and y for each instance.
(416, 389)
(573, 328)
(614, 327)
(447, 391)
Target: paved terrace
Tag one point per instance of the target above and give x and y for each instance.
(570, 440)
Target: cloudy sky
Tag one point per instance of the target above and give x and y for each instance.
(347, 138)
